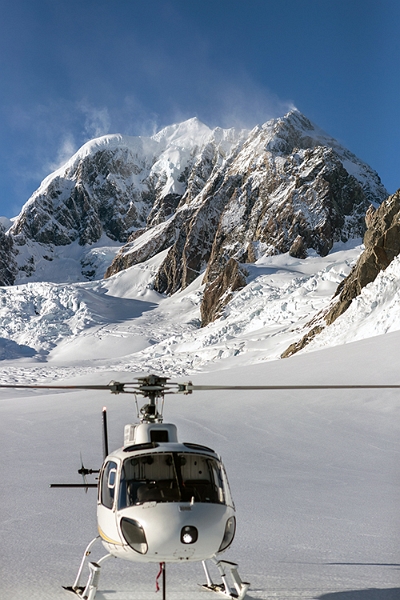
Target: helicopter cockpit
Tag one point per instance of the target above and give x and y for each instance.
(172, 477)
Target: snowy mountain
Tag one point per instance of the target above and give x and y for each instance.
(192, 201)
(112, 187)
(287, 188)
(205, 195)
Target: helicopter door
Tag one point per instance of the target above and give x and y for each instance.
(107, 484)
(106, 521)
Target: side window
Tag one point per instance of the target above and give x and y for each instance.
(108, 481)
(228, 495)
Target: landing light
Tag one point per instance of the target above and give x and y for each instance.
(189, 534)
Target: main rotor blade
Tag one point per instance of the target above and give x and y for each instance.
(55, 387)
(164, 387)
(115, 387)
(195, 388)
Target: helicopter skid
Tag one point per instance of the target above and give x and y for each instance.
(238, 592)
(220, 589)
(88, 592)
(78, 591)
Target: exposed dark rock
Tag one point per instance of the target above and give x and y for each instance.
(297, 346)
(382, 244)
(278, 199)
(141, 247)
(163, 208)
(8, 265)
(218, 293)
(84, 203)
(299, 248)
(169, 276)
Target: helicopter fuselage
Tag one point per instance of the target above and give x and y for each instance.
(163, 501)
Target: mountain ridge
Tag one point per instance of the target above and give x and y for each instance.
(270, 197)
(205, 195)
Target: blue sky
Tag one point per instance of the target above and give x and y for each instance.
(71, 70)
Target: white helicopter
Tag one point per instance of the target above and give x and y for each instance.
(160, 500)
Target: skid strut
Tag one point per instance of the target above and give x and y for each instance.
(240, 587)
(88, 592)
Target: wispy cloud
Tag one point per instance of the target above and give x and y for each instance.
(97, 120)
(133, 117)
(56, 130)
(67, 148)
(233, 102)
(245, 104)
(51, 133)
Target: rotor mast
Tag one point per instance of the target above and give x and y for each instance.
(152, 387)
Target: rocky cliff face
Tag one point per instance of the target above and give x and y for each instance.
(8, 265)
(116, 187)
(204, 195)
(287, 188)
(382, 244)
(218, 293)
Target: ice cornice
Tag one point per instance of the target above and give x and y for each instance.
(189, 132)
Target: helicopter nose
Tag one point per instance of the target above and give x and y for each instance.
(189, 534)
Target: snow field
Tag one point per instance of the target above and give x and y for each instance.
(315, 475)
(315, 478)
(122, 317)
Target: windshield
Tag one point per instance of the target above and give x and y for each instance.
(171, 477)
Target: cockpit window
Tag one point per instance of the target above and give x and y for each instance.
(171, 477)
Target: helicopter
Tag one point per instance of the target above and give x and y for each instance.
(160, 500)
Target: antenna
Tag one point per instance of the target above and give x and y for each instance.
(105, 433)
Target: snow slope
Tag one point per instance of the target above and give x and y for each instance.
(315, 475)
(124, 319)
(122, 323)
(375, 311)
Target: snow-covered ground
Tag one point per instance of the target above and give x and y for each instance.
(315, 475)
(122, 322)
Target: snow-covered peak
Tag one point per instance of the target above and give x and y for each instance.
(295, 131)
(294, 134)
(189, 133)
(188, 136)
